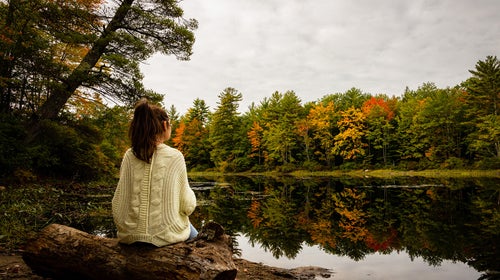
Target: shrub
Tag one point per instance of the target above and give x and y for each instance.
(453, 163)
(285, 168)
(488, 163)
(349, 165)
(66, 151)
(312, 166)
(13, 151)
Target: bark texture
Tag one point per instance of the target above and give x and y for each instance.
(62, 252)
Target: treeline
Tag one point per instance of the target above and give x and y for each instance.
(425, 128)
(61, 61)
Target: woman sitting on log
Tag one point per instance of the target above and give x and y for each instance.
(153, 199)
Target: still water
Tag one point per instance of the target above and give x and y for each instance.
(406, 228)
(359, 228)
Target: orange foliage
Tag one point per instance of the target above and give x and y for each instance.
(430, 152)
(86, 106)
(71, 55)
(348, 143)
(321, 233)
(90, 5)
(254, 213)
(320, 116)
(349, 204)
(381, 245)
(178, 139)
(377, 107)
(303, 128)
(432, 194)
(255, 137)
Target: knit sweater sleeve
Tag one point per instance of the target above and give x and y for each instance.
(118, 202)
(187, 196)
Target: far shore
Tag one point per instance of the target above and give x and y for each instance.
(378, 173)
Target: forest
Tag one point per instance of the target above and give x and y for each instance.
(69, 77)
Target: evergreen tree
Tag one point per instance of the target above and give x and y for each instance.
(280, 136)
(195, 136)
(484, 87)
(483, 98)
(225, 129)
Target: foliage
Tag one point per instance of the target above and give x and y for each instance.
(349, 142)
(54, 51)
(427, 128)
(67, 151)
(56, 87)
(322, 121)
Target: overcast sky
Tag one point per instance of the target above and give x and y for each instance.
(319, 47)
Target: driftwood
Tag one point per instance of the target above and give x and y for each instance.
(62, 252)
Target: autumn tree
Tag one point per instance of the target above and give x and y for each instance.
(349, 142)
(255, 137)
(431, 127)
(379, 114)
(323, 121)
(57, 55)
(178, 137)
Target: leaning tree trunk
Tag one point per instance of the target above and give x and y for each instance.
(62, 252)
(56, 101)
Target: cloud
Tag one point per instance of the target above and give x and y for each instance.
(321, 47)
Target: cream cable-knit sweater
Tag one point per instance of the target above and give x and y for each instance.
(152, 202)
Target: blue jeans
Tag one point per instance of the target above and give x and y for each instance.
(193, 232)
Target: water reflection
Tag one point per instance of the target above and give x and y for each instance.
(440, 220)
(396, 265)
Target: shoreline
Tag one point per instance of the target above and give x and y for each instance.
(376, 173)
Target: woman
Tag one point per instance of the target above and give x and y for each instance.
(153, 199)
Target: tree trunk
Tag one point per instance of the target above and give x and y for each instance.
(62, 252)
(61, 94)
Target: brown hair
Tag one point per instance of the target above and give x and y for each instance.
(145, 128)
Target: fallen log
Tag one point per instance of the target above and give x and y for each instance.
(62, 252)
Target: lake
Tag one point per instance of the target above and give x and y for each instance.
(359, 228)
(404, 228)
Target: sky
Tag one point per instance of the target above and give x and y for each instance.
(320, 47)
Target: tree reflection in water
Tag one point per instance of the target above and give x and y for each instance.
(440, 219)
